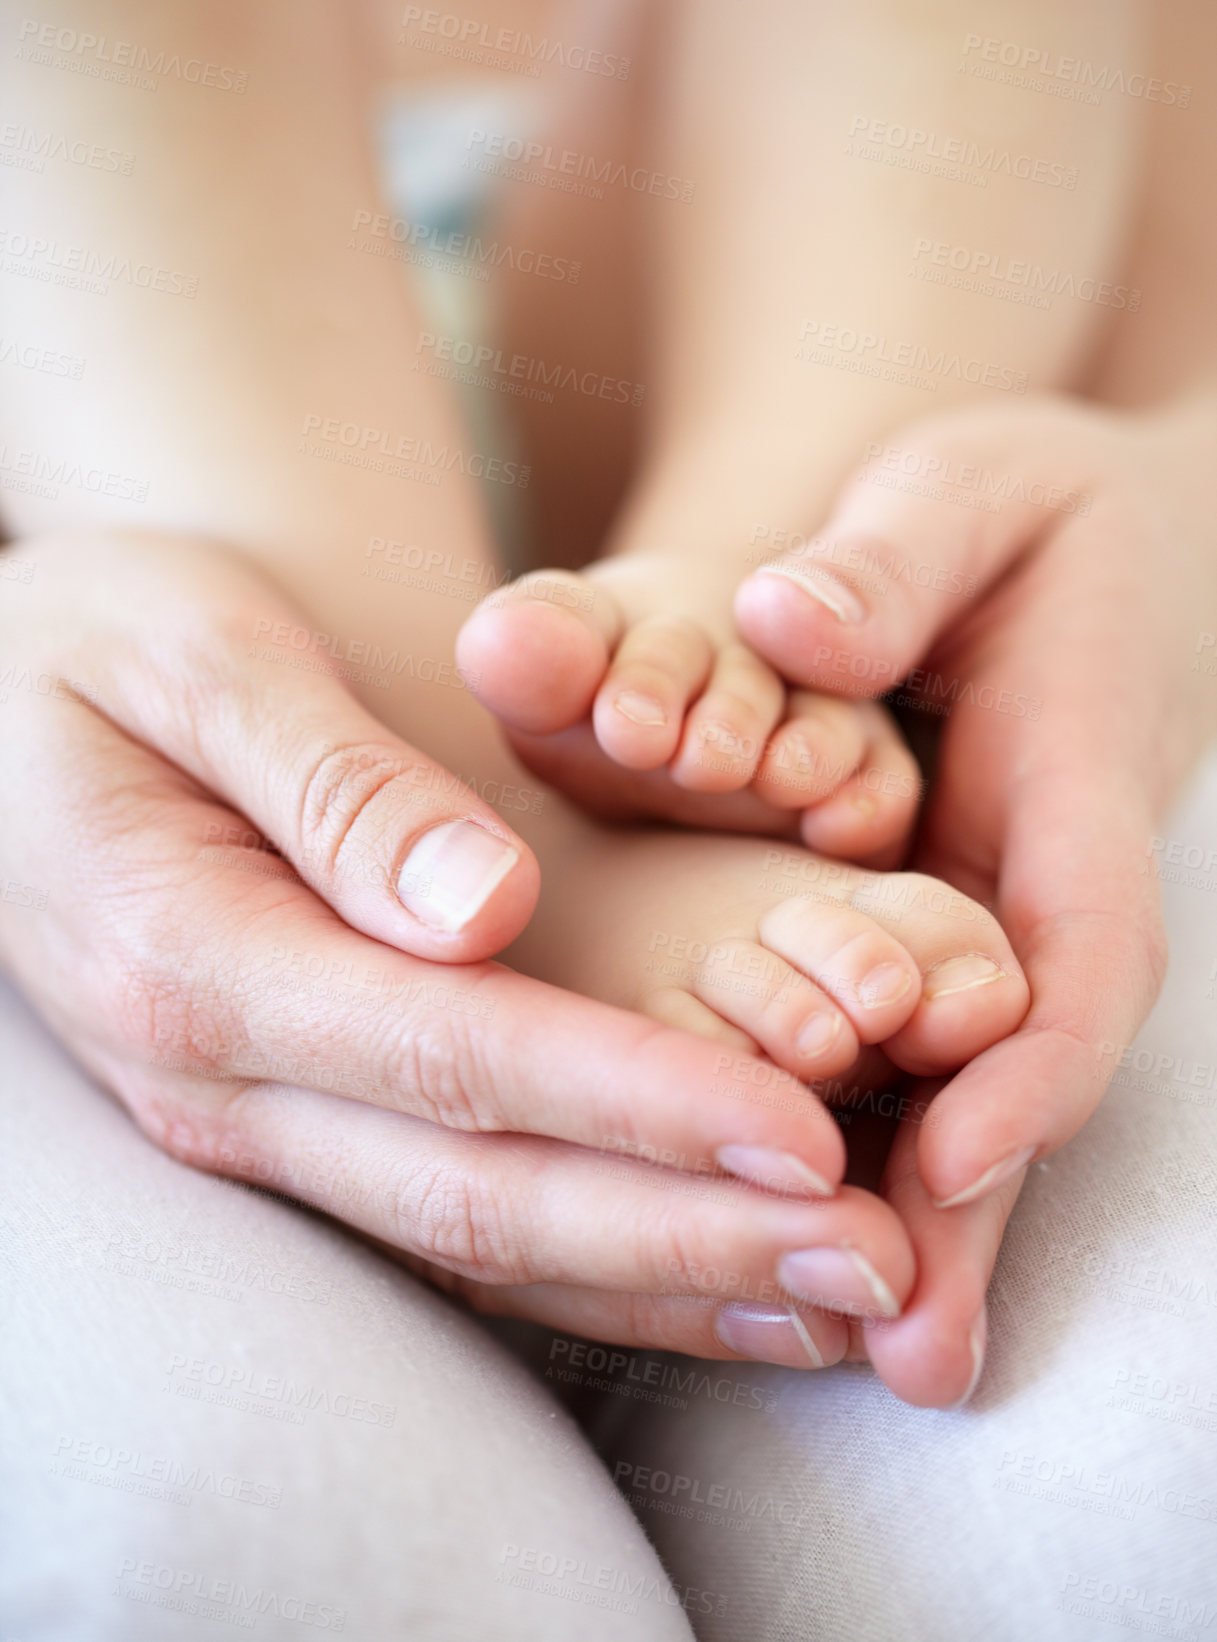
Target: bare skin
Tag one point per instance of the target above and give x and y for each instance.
(930, 1353)
(1049, 636)
(241, 455)
(757, 293)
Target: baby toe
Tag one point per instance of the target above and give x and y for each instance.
(639, 714)
(797, 1024)
(535, 653)
(870, 817)
(726, 732)
(815, 750)
(860, 965)
(973, 991)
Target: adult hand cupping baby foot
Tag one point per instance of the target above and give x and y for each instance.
(229, 947)
(1060, 629)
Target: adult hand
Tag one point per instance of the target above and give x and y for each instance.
(1064, 633)
(317, 1017)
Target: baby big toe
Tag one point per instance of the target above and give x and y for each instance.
(534, 654)
(973, 991)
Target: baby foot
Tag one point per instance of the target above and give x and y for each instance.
(766, 947)
(625, 686)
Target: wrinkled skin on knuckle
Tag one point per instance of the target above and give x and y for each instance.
(430, 1066)
(196, 1118)
(669, 1251)
(195, 1121)
(163, 1018)
(336, 797)
(446, 1214)
(172, 1036)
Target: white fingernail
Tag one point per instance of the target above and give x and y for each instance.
(809, 1345)
(837, 1279)
(771, 1169)
(834, 595)
(761, 1332)
(993, 1177)
(452, 872)
(976, 1341)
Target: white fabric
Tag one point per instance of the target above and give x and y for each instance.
(1078, 1491)
(218, 1408)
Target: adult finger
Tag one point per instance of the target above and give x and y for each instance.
(790, 1334)
(519, 1210)
(1078, 899)
(220, 961)
(929, 522)
(1036, 799)
(236, 689)
(932, 1355)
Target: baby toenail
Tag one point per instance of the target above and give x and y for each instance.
(884, 984)
(834, 595)
(818, 1033)
(640, 709)
(865, 805)
(961, 974)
